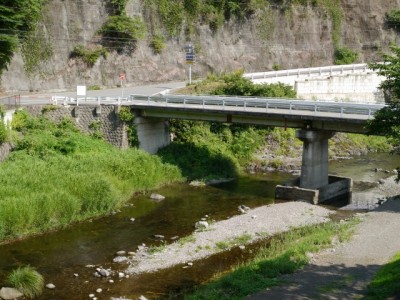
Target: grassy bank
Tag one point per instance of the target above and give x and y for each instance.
(386, 282)
(57, 176)
(284, 254)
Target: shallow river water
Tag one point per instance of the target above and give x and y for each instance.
(60, 255)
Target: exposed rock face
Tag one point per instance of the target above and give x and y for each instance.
(298, 37)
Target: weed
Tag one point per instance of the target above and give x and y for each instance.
(27, 280)
(187, 239)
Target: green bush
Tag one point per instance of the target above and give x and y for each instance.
(236, 84)
(118, 6)
(393, 18)
(27, 280)
(121, 33)
(345, 56)
(157, 43)
(88, 56)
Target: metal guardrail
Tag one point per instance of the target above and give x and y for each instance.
(11, 101)
(265, 104)
(229, 102)
(329, 70)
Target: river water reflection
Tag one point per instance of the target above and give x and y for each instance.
(60, 254)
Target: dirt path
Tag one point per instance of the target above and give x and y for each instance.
(344, 271)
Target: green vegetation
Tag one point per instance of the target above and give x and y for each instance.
(57, 176)
(88, 56)
(386, 121)
(284, 254)
(118, 6)
(27, 280)
(157, 43)
(17, 20)
(240, 240)
(128, 117)
(3, 128)
(345, 56)
(36, 49)
(386, 282)
(122, 33)
(393, 18)
(187, 239)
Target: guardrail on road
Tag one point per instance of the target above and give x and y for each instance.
(266, 104)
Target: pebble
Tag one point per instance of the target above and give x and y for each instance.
(190, 264)
(201, 224)
(131, 253)
(121, 275)
(175, 237)
(104, 272)
(111, 281)
(121, 253)
(142, 298)
(120, 259)
(91, 295)
(132, 219)
(50, 286)
(76, 275)
(242, 247)
(159, 236)
(99, 290)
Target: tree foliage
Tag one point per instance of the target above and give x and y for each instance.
(122, 33)
(17, 18)
(387, 120)
(390, 68)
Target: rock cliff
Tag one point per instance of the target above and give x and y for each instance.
(299, 36)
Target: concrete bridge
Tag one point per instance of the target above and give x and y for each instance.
(317, 122)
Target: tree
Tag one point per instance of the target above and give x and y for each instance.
(17, 18)
(387, 120)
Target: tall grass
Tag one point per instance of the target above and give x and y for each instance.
(285, 254)
(58, 176)
(27, 280)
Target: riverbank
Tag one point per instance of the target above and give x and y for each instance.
(255, 224)
(345, 270)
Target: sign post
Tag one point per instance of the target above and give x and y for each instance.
(190, 59)
(122, 78)
(80, 91)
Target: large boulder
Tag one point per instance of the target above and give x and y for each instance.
(7, 293)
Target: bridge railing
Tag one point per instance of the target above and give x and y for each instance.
(10, 101)
(309, 72)
(266, 104)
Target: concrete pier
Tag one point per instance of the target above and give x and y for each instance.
(314, 168)
(153, 133)
(315, 185)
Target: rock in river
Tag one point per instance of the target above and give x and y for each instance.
(7, 293)
(157, 197)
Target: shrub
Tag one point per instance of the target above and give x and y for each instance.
(118, 6)
(89, 57)
(27, 280)
(345, 56)
(157, 43)
(393, 18)
(122, 33)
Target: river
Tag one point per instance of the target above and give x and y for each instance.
(60, 255)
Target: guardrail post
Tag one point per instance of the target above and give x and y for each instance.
(98, 100)
(266, 106)
(341, 111)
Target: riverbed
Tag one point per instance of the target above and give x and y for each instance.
(68, 258)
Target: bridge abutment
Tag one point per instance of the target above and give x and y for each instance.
(315, 185)
(152, 133)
